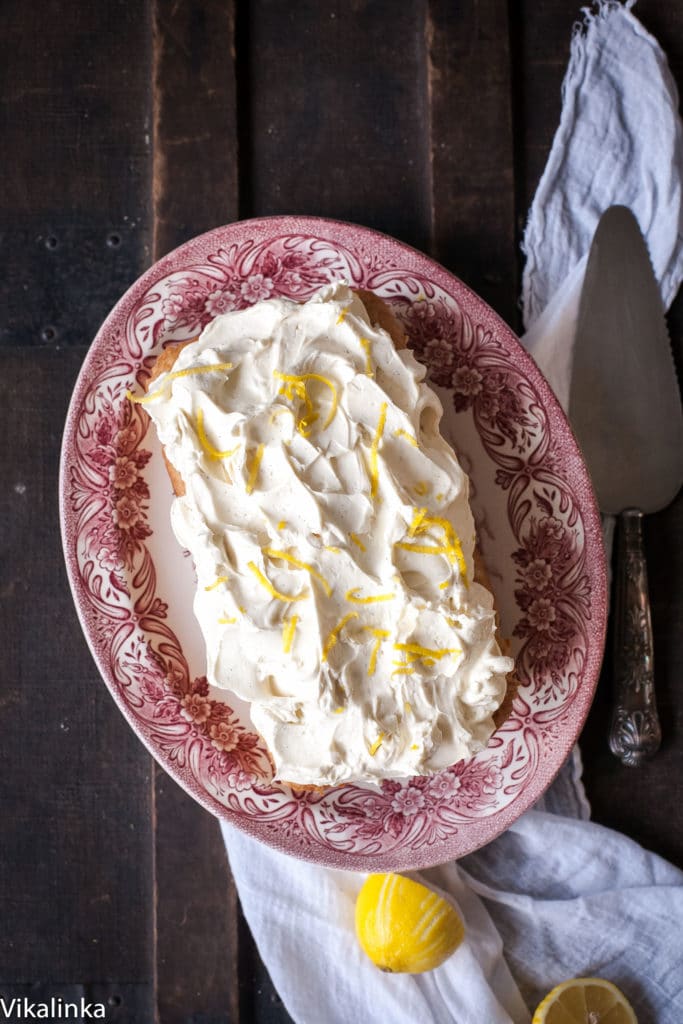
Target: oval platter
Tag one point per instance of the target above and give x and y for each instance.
(538, 526)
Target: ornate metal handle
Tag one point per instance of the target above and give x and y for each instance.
(635, 732)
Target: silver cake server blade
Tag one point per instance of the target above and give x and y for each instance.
(625, 408)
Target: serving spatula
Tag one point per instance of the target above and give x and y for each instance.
(625, 408)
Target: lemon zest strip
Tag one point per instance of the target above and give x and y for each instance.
(369, 372)
(271, 589)
(299, 565)
(296, 384)
(374, 448)
(452, 547)
(227, 622)
(142, 399)
(421, 488)
(376, 745)
(329, 547)
(453, 542)
(380, 635)
(419, 515)
(216, 583)
(351, 596)
(212, 452)
(408, 708)
(334, 635)
(417, 651)
(281, 525)
(356, 540)
(288, 633)
(424, 549)
(339, 711)
(407, 437)
(255, 465)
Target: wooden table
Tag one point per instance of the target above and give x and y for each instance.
(129, 127)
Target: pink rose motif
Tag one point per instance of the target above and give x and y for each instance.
(195, 708)
(540, 647)
(174, 681)
(224, 736)
(126, 439)
(426, 312)
(172, 307)
(542, 613)
(444, 786)
(538, 574)
(408, 802)
(294, 281)
(108, 559)
(220, 301)
(439, 353)
(241, 780)
(123, 473)
(552, 528)
(492, 779)
(489, 405)
(256, 287)
(467, 381)
(556, 660)
(126, 512)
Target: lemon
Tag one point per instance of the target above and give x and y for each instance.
(404, 926)
(585, 1001)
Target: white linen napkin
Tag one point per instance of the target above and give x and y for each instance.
(556, 896)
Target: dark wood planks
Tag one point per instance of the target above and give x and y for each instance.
(76, 148)
(76, 869)
(471, 146)
(194, 189)
(636, 801)
(195, 127)
(336, 122)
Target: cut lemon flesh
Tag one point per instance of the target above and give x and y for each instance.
(585, 1001)
(405, 927)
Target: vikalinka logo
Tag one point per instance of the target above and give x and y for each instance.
(54, 1009)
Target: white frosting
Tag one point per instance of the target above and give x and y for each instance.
(410, 683)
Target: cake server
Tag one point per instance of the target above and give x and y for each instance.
(625, 408)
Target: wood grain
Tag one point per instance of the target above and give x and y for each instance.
(194, 114)
(74, 120)
(336, 119)
(195, 177)
(471, 147)
(76, 871)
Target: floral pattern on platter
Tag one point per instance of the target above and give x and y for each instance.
(194, 731)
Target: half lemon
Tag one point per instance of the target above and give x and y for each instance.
(585, 1001)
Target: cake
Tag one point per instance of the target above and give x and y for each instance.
(329, 522)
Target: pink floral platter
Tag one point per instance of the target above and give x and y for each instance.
(538, 526)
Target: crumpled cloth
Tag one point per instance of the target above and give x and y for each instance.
(620, 140)
(556, 896)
